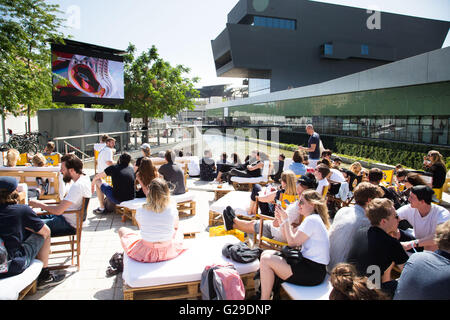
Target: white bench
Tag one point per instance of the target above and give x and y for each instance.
(249, 182)
(16, 287)
(179, 278)
(238, 200)
(319, 292)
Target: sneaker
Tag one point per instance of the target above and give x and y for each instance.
(51, 281)
(228, 217)
(99, 210)
(45, 186)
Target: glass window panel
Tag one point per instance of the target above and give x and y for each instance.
(440, 130)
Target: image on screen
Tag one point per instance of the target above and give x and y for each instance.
(86, 77)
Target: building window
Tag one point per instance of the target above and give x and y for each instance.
(364, 49)
(276, 23)
(328, 49)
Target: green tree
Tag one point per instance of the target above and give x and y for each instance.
(26, 26)
(153, 88)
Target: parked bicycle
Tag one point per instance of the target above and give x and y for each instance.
(24, 143)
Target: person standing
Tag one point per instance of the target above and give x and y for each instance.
(313, 148)
(105, 159)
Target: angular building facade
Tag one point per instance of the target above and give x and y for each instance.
(294, 43)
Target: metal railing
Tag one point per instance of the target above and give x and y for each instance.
(83, 145)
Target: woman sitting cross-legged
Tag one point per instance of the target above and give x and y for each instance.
(159, 238)
(311, 235)
(266, 202)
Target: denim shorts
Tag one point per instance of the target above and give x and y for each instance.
(58, 225)
(32, 245)
(108, 192)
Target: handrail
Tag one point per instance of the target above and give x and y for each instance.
(77, 149)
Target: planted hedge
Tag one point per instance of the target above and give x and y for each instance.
(388, 152)
(391, 153)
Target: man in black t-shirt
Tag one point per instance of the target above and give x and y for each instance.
(25, 236)
(377, 247)
(313, 146)
(122, 176)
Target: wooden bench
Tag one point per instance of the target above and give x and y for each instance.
(28, 175)
(179, 278)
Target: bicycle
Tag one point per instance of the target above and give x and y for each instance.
(25, 143)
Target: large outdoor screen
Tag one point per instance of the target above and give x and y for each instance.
(82, 76)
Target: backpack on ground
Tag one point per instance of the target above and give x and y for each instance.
(221, 282)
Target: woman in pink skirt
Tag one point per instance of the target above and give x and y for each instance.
(158, 237)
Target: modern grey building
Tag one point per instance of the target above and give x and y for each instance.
(294, 43)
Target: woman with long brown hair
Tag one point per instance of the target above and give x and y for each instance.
(347, 285)
(311, 235)
(144, 175)
(434, 163)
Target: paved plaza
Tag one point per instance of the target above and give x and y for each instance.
(99, 242)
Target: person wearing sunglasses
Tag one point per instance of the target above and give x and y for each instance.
(271, 229)
(311, 235)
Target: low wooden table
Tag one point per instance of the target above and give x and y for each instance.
(221, 189)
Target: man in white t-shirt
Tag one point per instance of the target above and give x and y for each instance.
(423, 216)
(58, 221)
(105, 159)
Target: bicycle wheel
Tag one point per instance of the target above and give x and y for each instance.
(29, 147)
(5, 146)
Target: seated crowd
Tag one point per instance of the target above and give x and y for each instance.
(395, 231)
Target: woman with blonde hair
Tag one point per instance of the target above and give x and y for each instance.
(158, 237)
(312, 235)
(347, 285)
(144, 175)
(265, 202)
(12, 156)
(434, 163)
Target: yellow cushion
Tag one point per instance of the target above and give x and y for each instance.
(23, 159)
(221, 231)
(53, 160)
(290, 198)
(387, 176)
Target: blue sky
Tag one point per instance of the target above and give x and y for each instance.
(183, 29)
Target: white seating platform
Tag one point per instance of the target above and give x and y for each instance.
(184, 270)
(319, 292)
(238, 200)
(11, 287)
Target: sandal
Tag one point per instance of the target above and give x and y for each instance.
(110, 271)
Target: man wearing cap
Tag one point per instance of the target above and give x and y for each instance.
(25, 236)
(146, 152)
(424, 217)
(105, 159)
